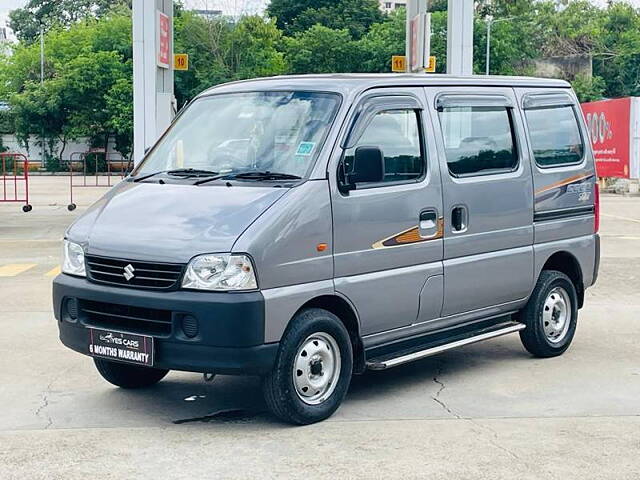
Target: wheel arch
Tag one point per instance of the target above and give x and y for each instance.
(568, 264)
(347, 314)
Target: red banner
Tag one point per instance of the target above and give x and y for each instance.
(163, 40)
(609, 122)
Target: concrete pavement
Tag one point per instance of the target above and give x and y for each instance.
(488, 410)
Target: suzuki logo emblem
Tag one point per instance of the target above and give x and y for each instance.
(129, 272)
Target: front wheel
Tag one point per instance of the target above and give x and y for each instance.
(313, 369)
(128, 376)
(550, 316)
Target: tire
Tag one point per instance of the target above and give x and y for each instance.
(128, 376)
(320, 336)
(550, 316)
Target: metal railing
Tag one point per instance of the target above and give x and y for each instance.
(94, 169)
(14, 170)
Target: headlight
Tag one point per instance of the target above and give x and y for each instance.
(220, 272)
(73, 259)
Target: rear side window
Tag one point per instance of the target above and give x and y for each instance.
(397, 134)
(478, 140)
(555, 135)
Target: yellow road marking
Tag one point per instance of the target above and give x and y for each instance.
(14, 269)
(53, 272)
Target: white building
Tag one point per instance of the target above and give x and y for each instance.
(389, 6)
(6, 38)
(208, 13)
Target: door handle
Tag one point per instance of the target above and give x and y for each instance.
(459, 219)
(429, 223)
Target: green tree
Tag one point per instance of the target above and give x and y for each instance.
(119, 106)
(89, 79)
(40, 109)
(519, 32)
(286, 11)
(83, 63)
(381, 42)
(320, 50)
(295, 16)
(438, 5)
(617, 57)
(202, 39)
(253, 48)
(221, 51)
(439, 39)
(574, 30)
(26, 21)
(588, 89)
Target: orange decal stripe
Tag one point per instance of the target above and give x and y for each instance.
(409, 237)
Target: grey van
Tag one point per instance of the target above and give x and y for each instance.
(307, 228)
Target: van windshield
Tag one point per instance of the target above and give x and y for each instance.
(233, 133)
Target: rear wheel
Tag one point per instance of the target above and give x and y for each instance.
(313, 369)
(551, 315)
(128, 376)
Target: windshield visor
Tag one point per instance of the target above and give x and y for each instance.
(242, 132)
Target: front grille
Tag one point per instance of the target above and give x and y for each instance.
(159, 276)
(127, 318)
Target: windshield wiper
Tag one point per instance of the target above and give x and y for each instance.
(144, 177)
(180, 172)
(265, 176)
(252, 175)
(191, 172)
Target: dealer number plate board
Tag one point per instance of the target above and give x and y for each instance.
(121, 347)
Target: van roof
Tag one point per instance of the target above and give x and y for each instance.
(349, 82)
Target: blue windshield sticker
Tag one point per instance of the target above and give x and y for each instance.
(305, 148)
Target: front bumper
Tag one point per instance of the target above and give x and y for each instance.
(230, 326)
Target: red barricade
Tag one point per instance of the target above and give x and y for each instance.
(14, 168)
(98, 174)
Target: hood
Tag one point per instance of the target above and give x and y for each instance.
(171, 222)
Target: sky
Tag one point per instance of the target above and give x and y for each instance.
(7, 6)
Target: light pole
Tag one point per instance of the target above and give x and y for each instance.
(42, 159)
(490, 21)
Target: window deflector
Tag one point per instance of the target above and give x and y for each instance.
(369, 108)
(541, 100)
(451, 100)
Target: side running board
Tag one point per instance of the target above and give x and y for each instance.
(428, 349)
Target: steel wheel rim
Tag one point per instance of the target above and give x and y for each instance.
(556, 315)
(316, 368)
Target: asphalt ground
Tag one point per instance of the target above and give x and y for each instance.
(487, 410)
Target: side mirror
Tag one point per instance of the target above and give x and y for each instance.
(368, 165)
